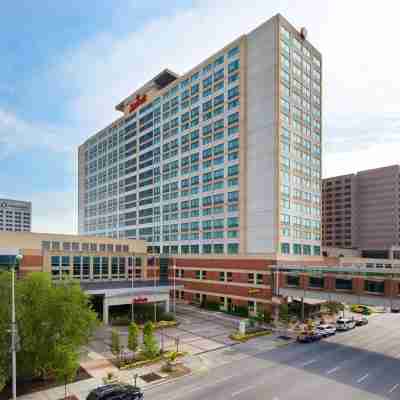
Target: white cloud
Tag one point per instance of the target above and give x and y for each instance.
(361, 65)
(17, 134)
(53, 212)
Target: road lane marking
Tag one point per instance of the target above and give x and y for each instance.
(363, 378)
(245, 389)
(331, 371)
(309, 362)
(394, 388)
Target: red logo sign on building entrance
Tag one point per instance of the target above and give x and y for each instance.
(139, 300)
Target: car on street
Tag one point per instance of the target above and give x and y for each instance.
(116, 392)
(361, 321)
(395, 309)
(345, 324)
(308, 337)
(326, 330)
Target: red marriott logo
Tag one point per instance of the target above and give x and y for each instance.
(139, 100)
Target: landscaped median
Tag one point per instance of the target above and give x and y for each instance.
(239, 337)
(163, 324)
(148, 361)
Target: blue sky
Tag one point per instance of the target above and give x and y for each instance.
(66, 64)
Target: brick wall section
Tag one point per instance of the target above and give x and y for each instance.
(31, 263)
(226, 264)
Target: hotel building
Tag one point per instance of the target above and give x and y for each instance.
(224, 159)
(15, 215)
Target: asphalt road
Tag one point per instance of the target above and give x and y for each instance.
(360, 364)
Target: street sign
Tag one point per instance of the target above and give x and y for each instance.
(254, 291)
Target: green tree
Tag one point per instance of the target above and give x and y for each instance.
(150, 345)
(284, 313)
(133, 337)
(115, 342)
(67, 364)
(48, 315)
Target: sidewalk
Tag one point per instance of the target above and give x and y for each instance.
(97, 364)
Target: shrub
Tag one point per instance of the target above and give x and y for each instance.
(167, 316)
(115, 342)
(211, 305)
(150, 345)
(133, 337)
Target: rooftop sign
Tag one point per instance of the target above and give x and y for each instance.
(139, 100)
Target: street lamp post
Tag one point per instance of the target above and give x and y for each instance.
(18, 258)
(133, 305)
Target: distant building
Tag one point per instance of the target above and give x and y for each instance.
(362, 211)
(15, 215)
(224, 159)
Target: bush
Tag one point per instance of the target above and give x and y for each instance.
(133, 337)
(167, 316)
(150, 345)
(334, 307)
(211, 305)
(115, 342)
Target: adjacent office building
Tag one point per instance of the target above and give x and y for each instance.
(224, 159)
(15, 215)
(362, 211)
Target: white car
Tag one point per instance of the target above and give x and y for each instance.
(326, 330)
(345, 324)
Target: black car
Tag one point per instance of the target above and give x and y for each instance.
(116, 392)
(395, 309)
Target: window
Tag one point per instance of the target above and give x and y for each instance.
(233, 248)
(218, 248)
(297, 248)
(374, 286)
(250, 278)
(344, 284)
(222, 276)
(233, 52)
(293, 280)
(260, 279)
(229, 276)
(285, 248)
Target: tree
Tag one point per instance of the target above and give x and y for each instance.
(115, 342)
(284, 313)
(67, 365)
(48, 315)
(150, 345)
(133, 337)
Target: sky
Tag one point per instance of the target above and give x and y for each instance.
(64, 67)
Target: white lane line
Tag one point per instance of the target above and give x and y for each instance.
(331, 371)
(394, 387)
(245, 389)
(309, 362)
(363, 378)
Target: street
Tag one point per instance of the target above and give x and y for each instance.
(359, 364)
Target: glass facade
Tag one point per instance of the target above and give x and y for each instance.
(300, 145)
(168, 173)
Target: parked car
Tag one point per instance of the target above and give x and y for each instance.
(308, 337)
(345, 324)
(362, 321)
(326, 330)
(116, 392)
(395, 309)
